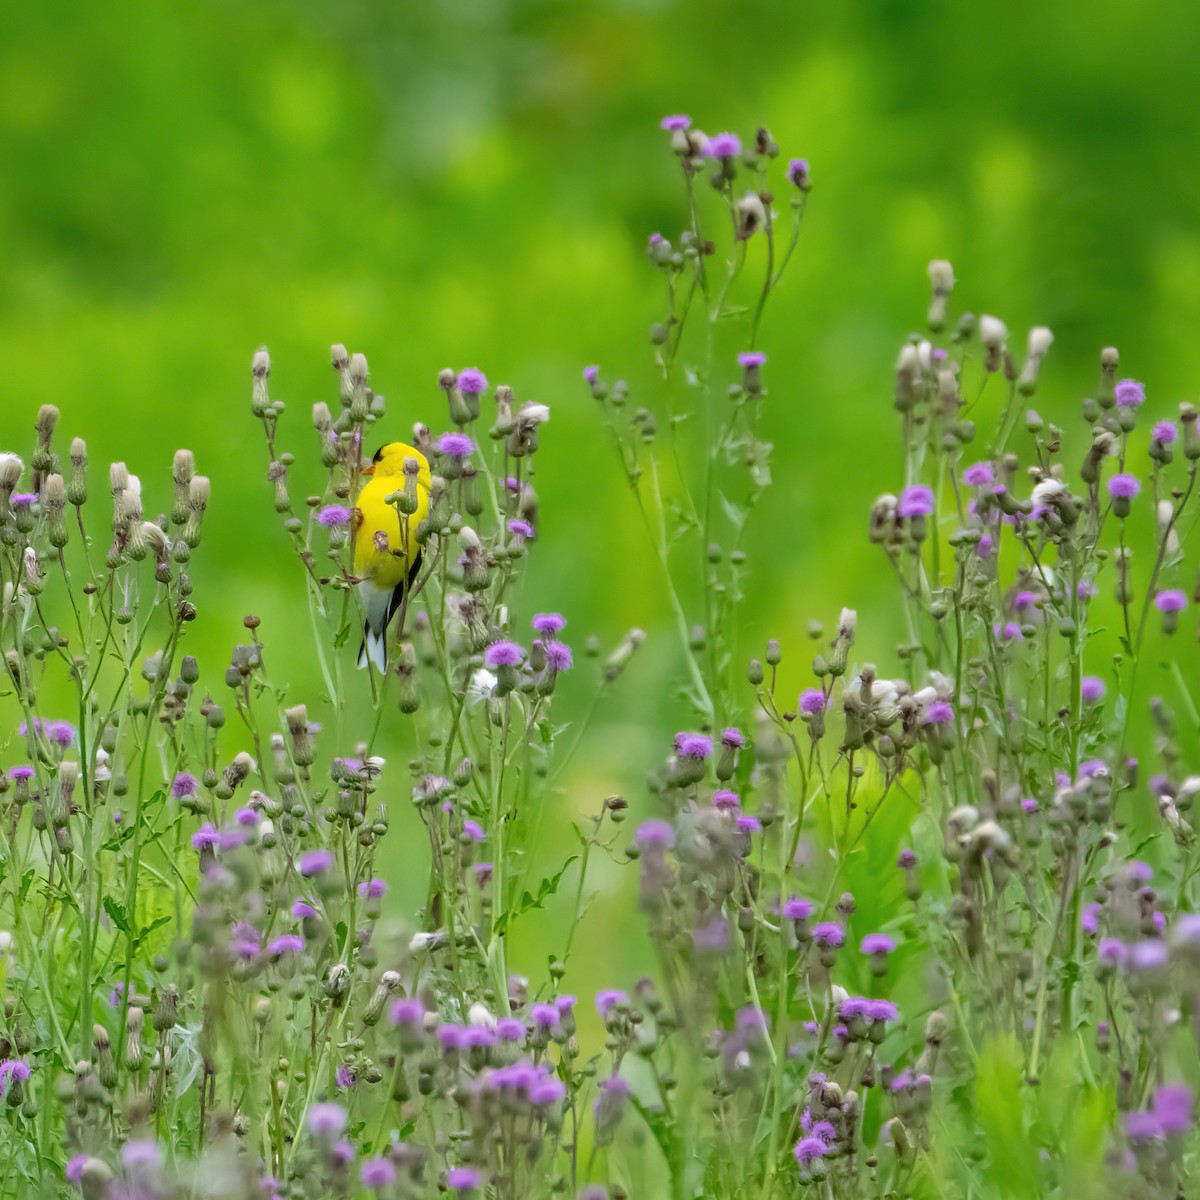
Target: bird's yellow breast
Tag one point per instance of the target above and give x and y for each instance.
(385, 543)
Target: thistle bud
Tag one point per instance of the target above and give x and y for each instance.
(941, 281)
(42, 460)
(751, 216)
(303, 750)
(1110, 360)
(106, 1064)
(840, 655)
(908, 370)
(618, 660)
(54, 503)
(31, 572)
(260, 368)
(183, 471)
(357, 374)
(389, 984)
(406, 674)
(199, 492)
(166, 1010)
(134, 1023)
(992, 334)
(1040, 339)
(1191, 437)
(77, 488)
(277, 475)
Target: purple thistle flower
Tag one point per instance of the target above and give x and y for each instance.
(13, 1070)
(877, 943)
(881, 1010)
(372, 889)
(798, 173)
(809, 1149)
(503, 654)
(558, 656)
(408, 1012)
(609, 999)
(548, 623)
(726, 801)
(1173, 1107)
(980, 474)
(655, 833)
(1123, 487)
(1164, 432)
(1010, 631)
(377, 1173)
(916, 501)
(677, 121)
(733, 739)
(302, 908)
(565, 1003)
(813, 700)
(1092, 689)
(544, 1016)
(326, 1120)
(1090, 920)
(853, 1006)
(463, 1179)
(1142, 1127)
(712, 937)
(471, 381)
(723, 145)
(473, 830)
(591, 374)
(829, 933)
(1148, 956)
(21, 772)
(1024, 600)
(246, 817)
(74, 1168)
(519, 528)
(344, 1077)
(452, 1036)
(313, 862)
(286, 943)
(510, 1029)
(907, 860)
(693, 745)
(1130, 394)
(141, 1154)
(24, 499)
(333, 515)
(748, 823)
(752, 358)
(206, 837)
(455, 445)
(1170, 600)
(939, 713)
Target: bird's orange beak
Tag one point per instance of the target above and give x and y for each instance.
(368, 470)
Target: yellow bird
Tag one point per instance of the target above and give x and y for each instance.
(387, 555)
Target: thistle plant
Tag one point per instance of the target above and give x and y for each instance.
(922, 930)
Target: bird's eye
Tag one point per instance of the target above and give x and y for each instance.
(378, 455)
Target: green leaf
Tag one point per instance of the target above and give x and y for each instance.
(1012, 1167)
(117, 915)
(342, 635)
(146, 930)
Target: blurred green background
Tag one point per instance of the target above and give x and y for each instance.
(472, 183)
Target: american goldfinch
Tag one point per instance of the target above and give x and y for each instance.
(387, 555)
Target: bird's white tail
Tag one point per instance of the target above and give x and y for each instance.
(376, 609)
